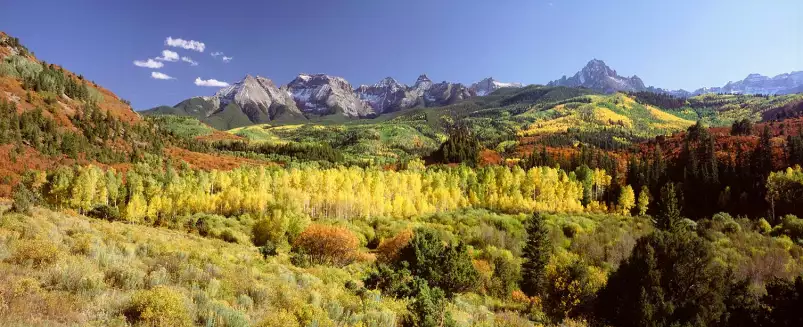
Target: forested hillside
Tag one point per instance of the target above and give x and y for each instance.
(538, 206)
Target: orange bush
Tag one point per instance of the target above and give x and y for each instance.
(321, 244)
(389, 249)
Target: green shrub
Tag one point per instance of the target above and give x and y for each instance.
(268, 250)
(731, 227)
(763, 227)
(125, 277)
(160, 306)
(220, 314)
(571, 229)
(427, 257)
(6, 69)
(157, 277)
(267, 231)
(791, 226)
(229, 236)
(78, 276)
(24, 200)
(428, 308)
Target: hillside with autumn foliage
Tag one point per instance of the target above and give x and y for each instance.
(52, 117)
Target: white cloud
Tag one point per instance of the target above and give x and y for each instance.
(185, 44)
(190, 61)
(222, 56)
(210, 82)
(150, 63)
(158, 75)
(168, 55)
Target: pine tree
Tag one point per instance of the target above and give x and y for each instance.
(670, 279)
(536, 254)
(668, 209)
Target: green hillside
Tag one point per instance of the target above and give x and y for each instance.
(497, 121)
(231, 116)
(721, 109)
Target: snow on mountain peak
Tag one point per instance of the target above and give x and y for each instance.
(489, 85)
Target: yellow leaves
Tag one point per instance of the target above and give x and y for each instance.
(37, 253)
(605, 115)
(339, 193)
(627, 200)
(160, 306)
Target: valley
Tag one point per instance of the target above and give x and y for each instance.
(591, 200)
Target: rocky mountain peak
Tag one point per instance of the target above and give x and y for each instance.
(257, 97)
(391, 83)
(323, 94)
(387, 95)
(422, 84)
(598, 76)
(489, 85)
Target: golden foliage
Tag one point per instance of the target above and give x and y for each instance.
(160, 306)
(36, 252)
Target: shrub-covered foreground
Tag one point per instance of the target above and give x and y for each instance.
(63, 269)
(455, 268)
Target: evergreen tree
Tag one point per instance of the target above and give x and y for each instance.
(536, 255)
(668, 208)
(785, 298)
(447, 267)
(428, 308)
(670, 279)
(24, 200)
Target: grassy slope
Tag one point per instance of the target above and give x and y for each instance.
(94, 267)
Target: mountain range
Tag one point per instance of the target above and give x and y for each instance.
(596, 75)
(256, 100)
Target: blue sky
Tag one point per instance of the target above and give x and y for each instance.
(672, 44)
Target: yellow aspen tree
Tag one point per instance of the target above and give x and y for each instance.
(627, 200)
(643, 200)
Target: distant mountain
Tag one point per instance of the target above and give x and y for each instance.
(443, 93)
(257, 100)
(253, 100)
(596, 75)
(787, 83)
(322, 94)
(489, 85)
(760, 84)
(388, 95)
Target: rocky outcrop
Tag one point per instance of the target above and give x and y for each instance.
(322, 94)
(596, 75)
